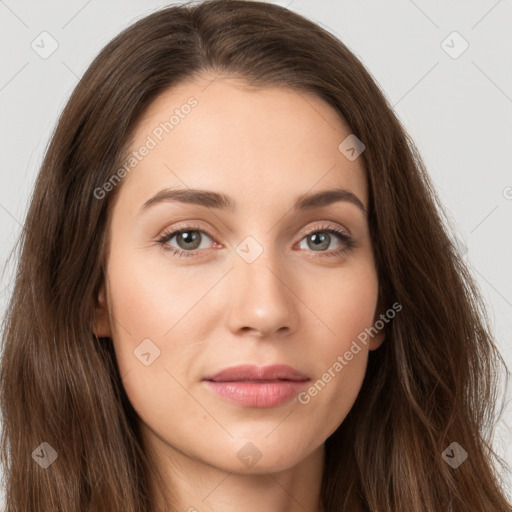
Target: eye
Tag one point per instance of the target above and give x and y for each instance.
(189, 239)
(319, 239)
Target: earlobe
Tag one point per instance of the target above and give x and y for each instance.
(377, 341)
(101, 324)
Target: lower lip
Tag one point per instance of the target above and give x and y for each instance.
(257, 394)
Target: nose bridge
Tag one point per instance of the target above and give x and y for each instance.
(261, 297)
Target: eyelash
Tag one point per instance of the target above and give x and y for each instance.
(347, 240)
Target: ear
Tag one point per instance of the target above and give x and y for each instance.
(101, 324)
(377, 340)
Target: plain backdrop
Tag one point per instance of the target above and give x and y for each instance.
(446, 67)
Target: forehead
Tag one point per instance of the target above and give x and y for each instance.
(216, 134)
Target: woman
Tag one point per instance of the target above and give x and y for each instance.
(236, 292)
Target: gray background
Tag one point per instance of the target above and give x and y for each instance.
(456, 105)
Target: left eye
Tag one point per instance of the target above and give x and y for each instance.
(320, 240)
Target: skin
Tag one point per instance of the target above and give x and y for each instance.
(293, 304)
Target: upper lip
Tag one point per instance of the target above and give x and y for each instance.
(249, 372)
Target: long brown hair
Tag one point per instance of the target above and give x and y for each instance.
(433, 382)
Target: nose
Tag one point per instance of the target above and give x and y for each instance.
(263, 302)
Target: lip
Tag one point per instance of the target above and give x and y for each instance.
(257, 386)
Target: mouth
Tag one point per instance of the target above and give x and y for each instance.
(259, 387)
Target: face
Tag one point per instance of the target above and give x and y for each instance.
(194, 288)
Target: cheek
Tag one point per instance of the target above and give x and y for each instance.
(154, 299)
(346, 305)
(336, 385)
(151, 318)
(340, 370)
(159, 326)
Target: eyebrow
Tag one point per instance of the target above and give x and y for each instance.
(217, 200)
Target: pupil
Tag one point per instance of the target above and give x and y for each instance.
(187, 238)
(319, 241)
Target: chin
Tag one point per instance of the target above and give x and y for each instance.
(261, 456)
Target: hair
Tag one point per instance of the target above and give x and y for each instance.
(433, 382)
